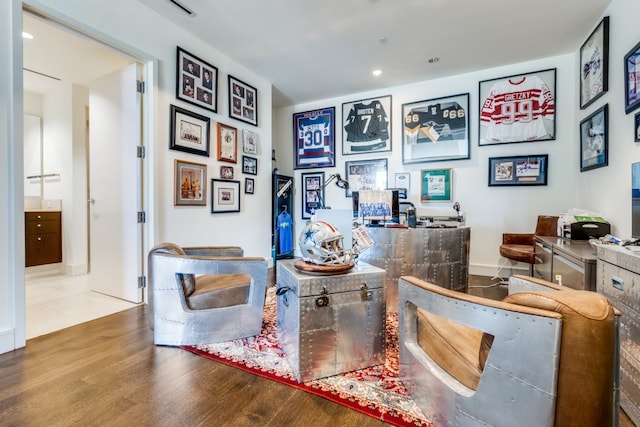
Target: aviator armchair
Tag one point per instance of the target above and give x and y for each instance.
(204, 295)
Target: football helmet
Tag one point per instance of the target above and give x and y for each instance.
(320, 243)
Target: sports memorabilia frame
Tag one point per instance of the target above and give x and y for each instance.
(189, 132)
(227, 143)
(196, 81)
(594, 144)
(314, 138)
(436, 185)
(518, 170)
(312, 193)
(365, 175)
(190, 184)
(366, 125)
(594, 64)
(436, 129)
(249, 165)
(225, 196)
(518, 108)
(632, 79)
(243, 101)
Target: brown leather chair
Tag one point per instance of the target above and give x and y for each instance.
(537, 358)
(521, 246)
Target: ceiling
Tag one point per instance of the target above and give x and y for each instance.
(312, 49)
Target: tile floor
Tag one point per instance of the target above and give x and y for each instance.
(58, 301)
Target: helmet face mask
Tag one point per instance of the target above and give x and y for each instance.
(320, 243)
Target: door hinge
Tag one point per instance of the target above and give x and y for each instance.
(142, 217)
(142, 282)
(141, 152)
(140, 86)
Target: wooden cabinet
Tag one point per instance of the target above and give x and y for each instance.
(43, 238)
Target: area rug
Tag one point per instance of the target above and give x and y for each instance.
(375, 391)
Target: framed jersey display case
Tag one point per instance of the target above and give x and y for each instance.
(594, 64)
(518, 108)
(314, 138)
(436, 129)
(366, 125)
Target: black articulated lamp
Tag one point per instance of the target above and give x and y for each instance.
(339, 182)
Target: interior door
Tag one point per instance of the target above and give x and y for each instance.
(116, 248)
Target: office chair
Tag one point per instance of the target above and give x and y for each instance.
(520, 247)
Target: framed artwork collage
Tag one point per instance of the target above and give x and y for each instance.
(191, 132)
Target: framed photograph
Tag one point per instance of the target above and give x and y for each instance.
(249, 142)
(190, 184)
(403, 180)
(518, 108)
(518, 170)
(636, 120)
(435, 185)
(632, 79)
(225, 196)
(189, 132)
(243, 101)
(436, 129)
(227, 143)
(366, 125)
(196, 81)
(594, 144)
(248, 185)
(249, 165)
(365, 175)
(312, 193)
(594, 64)
(314, 138)
(226, 172)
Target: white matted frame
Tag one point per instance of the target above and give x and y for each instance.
(189, 132)
(594, 64)
(225, 196)
(365, 175)
(243, 101)
(190, 184)
(312, 193)
(196, 81)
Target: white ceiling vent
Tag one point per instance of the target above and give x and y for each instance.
(183, 8)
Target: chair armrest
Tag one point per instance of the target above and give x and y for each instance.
(519, 283)
(233, 251)
(518, 239)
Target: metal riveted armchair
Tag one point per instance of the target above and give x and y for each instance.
(202, 295)
(537, 358)
(521, 246)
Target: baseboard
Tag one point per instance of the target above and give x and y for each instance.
(7, 341)
(75, 270)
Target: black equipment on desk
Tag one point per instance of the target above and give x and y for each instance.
(586, 230)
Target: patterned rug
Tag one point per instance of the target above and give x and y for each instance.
(375, 391)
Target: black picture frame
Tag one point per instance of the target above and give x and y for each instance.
(243, 101)
(518, 170)
(189, 132)
(249, 185)
(594, 139)
(632, 79)
(314, 142)
(436, 129)
(312, 193)
(636, 128)
(192, 85)
(594, 64)
(365, 175)
(249, 165)
(225, 196)
(366, 125)
(530, 98)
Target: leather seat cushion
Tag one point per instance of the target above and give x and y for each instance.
(454, 347)
(219, 290)
(523, 253)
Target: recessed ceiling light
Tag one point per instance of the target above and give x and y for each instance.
(376, 72)
(433, 60)
(26, 36)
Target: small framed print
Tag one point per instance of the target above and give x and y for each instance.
(243, 101)
(225, 196)
(312, 193)
(196, 81)
(314, 138)
(189, 132)
(403, 180)
(249, 142)
(594, 64)
(365, 175)
(190, 184)
(249, 165)
(632, 79)
(227, 143)
(518, 170)
(226, 172)
(594, 144)
(248, 185)
(518, 108)
(366, 125)
(436, 185)
(636, 128)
